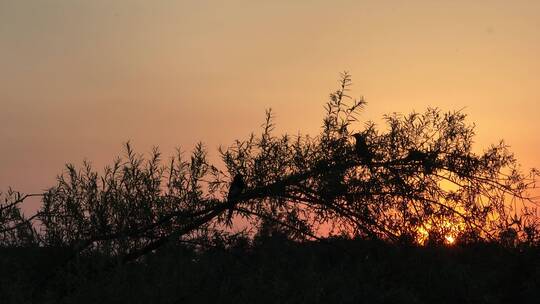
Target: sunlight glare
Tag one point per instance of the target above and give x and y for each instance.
(449, 240)
(451, 230)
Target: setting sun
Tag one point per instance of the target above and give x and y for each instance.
(449, 231)
(450, 240)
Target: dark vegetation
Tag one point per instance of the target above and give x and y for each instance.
(408, 213)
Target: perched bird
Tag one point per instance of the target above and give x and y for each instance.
(430, 162)
(415, 156)
(237, 187)
(427, 159)
(361, 148)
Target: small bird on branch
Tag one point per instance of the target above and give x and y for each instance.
(415, 156)
(427, 159)
(430, 163)
(236, 188)
(361, 148)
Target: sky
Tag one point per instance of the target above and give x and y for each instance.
(78, 78)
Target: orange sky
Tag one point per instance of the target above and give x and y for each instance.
(79, 78)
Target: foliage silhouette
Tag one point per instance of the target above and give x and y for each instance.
(418, 176)
(417, 181)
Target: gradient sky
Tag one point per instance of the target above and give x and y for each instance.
(79, 78)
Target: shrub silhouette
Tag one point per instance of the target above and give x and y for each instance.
(421, 176)
(416, 181)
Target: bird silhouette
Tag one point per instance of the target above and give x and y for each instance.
(361, 148)
(430, 162)
(427, 159)
(415, 156)
(236, 188)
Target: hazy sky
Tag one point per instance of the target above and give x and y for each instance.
(79, 78)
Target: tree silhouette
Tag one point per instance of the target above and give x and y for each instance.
(15, 228)
(422, 175)
(417, 180)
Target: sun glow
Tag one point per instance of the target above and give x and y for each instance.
(448, 230)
